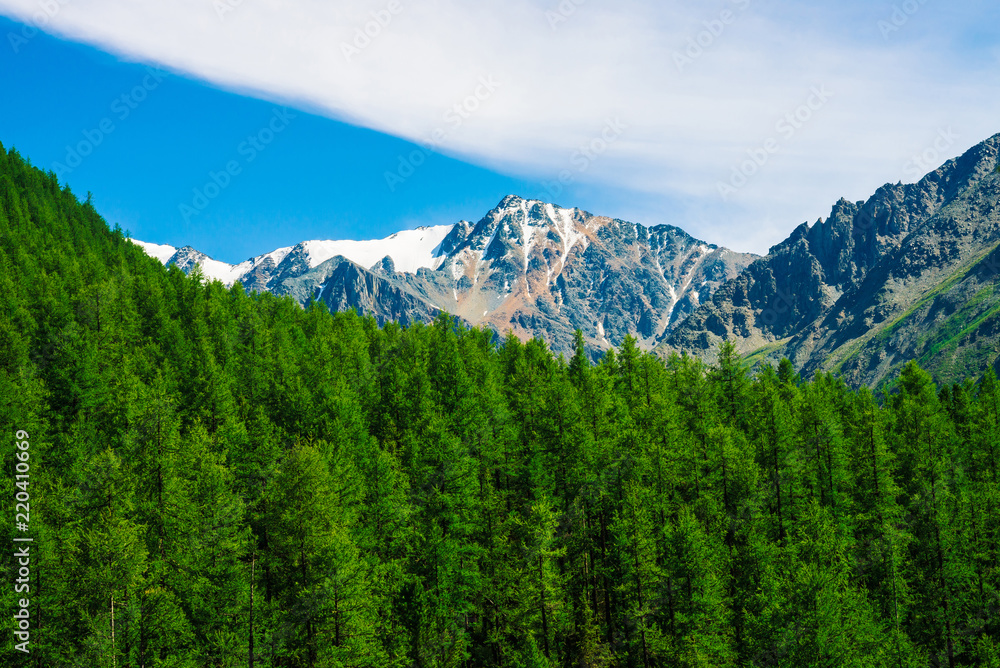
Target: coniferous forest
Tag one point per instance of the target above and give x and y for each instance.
(220, 479)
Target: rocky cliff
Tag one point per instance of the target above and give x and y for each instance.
(908, 274)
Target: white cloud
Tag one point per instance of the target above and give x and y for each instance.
(561, 81)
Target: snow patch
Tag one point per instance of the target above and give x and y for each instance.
(527, 234)
(223, 272)
(410, 250)
(694, 268)
(566, 227)
(161, 252)
(673, 303)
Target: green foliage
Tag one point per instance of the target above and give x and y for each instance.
(222, 479)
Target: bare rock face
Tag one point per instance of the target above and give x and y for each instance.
(187, 258)
(342, 285)
(541, 270)
(908, 274)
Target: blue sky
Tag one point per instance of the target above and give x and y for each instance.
(317, 178)
(733, 119)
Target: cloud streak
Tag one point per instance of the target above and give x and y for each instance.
(562, 80)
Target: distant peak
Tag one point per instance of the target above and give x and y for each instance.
(518, 202)
(512, 200)
(191, 251)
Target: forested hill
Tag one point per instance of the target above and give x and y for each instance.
(227, 480)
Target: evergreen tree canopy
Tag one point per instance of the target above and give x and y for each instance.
(226, 479)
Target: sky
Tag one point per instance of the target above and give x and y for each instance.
(240, 126)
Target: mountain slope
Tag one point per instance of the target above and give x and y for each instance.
(543, 270)
(910, 273)
(527, 266)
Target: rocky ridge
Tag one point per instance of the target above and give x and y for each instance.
(527, 266)
(908, 274)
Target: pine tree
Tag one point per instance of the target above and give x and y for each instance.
(108, 561)
(924, 445)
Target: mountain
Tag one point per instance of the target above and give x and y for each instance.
(911, 273)
(527, 266)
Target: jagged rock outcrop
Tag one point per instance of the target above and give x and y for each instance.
(342, 285)
(908, 274)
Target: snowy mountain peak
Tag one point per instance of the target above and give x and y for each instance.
(409, 251)
(527, 266)
(519, 207)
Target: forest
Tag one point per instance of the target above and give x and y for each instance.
(220, 479)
